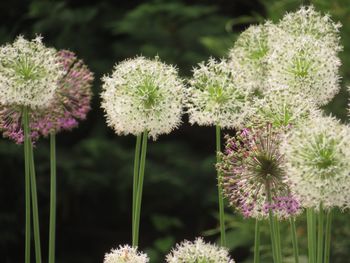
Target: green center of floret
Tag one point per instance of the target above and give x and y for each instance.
(149, 94)
(218, 94)
(25, 68)
(267, 167)
(300, 66)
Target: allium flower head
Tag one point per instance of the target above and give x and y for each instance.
(252, 174)
(250, 53)
(143, 95)
(304, 65)
(216, 95)
(198, 252)
(317, 160)
(282, 110)
(29, 73)
(125, 254)
(307, 21)
(71, 103)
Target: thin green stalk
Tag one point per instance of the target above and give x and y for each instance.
(220, 195)
(272, 229)
(257, 242)
(278, 239)
(52, 230)
(294, 239)
(27, 182)
(311, 234)
(36, 228)
(135, 179)
(327, 248)
(135, 240)
(320, 243)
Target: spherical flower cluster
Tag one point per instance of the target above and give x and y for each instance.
(250, 53)
(307, 21)
(252, 175)
(216, 95)
(198, 251)
(304, 65)
(282, 110)
(71, 103)
(317, 160)
(143, 95)
(29, 73)
(125, 254)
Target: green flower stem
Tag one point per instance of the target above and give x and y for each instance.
(257, 242)
(135, 179)
(220, 195)
(278, 239)
(294, 239)
(52, 230)
(311, 234)
(35, 207)
(27, 182)
(327, 248)
(320, 240)
(135, 239)
(272, 230)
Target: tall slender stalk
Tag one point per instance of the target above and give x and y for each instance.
(294, 239)
(27, 182)
(311, 234)
(52, 230)
(36, 228)
(278, 239)
(327, 248)
(257, 242)
(135, 179)
(135, 239)
(320, 243)
(220, 195)
(272, 225)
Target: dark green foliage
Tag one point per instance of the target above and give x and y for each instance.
(95, 166)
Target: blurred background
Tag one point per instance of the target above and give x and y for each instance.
(95, 166)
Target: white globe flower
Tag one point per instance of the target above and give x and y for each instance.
(282, 110)
(29, 73)
(198, 251)
(307, 21)
(251, 51)
(317, 161)
(143, 95)
(125, 254)
(216, 95)
(304, 66)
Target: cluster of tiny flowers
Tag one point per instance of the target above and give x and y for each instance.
(29, 73)
(143, 95)
(198, 252)
(281, 110)
(304, 65)
(307, 21)
(125, 254)
(71, 103)
(215, 95)
(252, 174)
(317, 160)
(250, 54)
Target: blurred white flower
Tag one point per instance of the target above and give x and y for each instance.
(198, 251)
(143, 95)
(125, 254)
(29, 73)
(216, 95)
(307, 21)
(251, 51)
(317, 161)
